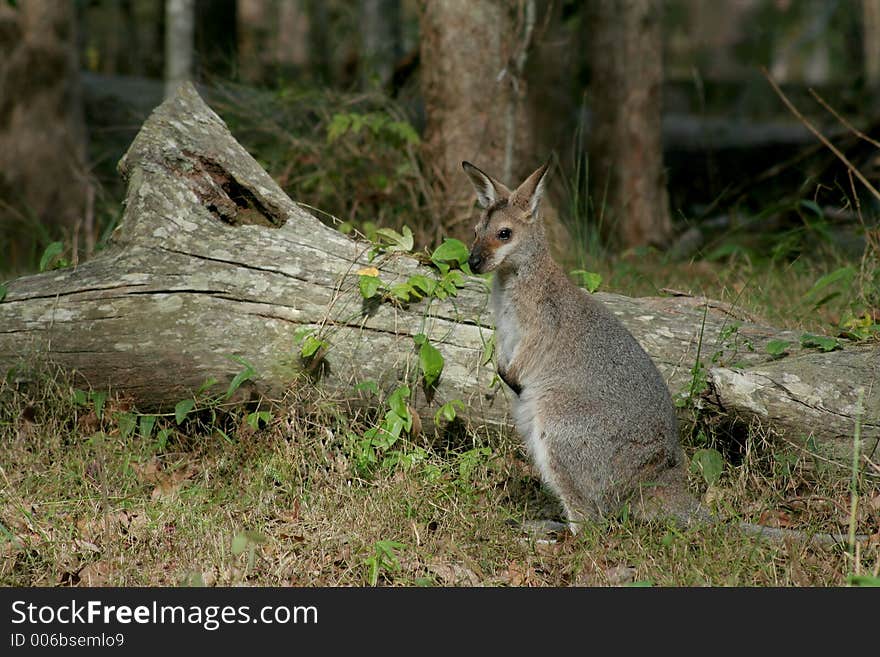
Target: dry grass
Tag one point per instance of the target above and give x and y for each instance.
(286, 505)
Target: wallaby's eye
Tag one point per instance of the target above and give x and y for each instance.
(504, 234)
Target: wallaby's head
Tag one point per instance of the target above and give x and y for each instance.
(509, 232)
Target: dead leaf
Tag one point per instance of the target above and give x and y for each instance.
(169, 482)
(775, 518)
(88, 423)
(166, 488)
(147, 471)
(85, 546)
(367, 271)
(416, 422)
(96, 573)
(620, 574)
(519, 574)
(453, 574)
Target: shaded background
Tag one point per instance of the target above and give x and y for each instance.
(364, 109)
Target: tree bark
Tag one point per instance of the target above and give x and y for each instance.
(627, 183)
(472, 62)
(42, 130)
(179, 43)
(381, 40)
(212, 265)
(871, 43)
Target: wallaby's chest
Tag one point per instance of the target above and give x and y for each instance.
(508, 332)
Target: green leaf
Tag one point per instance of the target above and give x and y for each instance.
(254, 419)
(813, 207)
(246, 374)
(339, 125)
(777, 348)
(587, 279)
(182, 409)
(401, 291)
(452, 250)
(368, 386)
(397, 401)
(447, 411)
(209, 382)
(404, 131)
(451, 281)
(820, 342)
(145, 425)
(431, 362)
(126, 423)
(392, 426)
(709, 463)
(80, 398)
(387, 548)
(98, 399)
(52, 251)
(844, 275)
(422, 283)
(397, 241)
(162, 438)
(369, 286)
(239, 543)
(863, 580)
(310, 346)
(488, 350)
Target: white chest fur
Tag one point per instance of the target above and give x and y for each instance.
(507, 330)
(529, 424)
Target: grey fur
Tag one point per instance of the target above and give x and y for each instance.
(590, 404)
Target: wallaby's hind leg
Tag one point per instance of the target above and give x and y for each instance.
(578, 508)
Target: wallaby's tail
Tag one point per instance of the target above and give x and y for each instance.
(668, 498)
(780, 535)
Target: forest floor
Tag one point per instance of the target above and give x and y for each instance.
(91, 493)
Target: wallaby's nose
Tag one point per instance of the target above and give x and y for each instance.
(474, 261)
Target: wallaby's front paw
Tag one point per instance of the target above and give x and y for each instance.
(510, 380)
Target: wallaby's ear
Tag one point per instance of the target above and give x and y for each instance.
(488, 189)
(528, 195)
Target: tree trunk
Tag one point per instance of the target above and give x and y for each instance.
(42, 131)
(213, 266)
(473, 56)
(381, 40)
(871, 43)
(293, 37)
(627, 183)
(179, 43)
(320, 59)
(254, 22)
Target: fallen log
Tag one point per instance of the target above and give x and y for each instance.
(213, 266)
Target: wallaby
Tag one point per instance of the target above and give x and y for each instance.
(591, 406)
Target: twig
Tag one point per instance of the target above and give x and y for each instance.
(854, 484)
(849, 126)
(800, 117)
